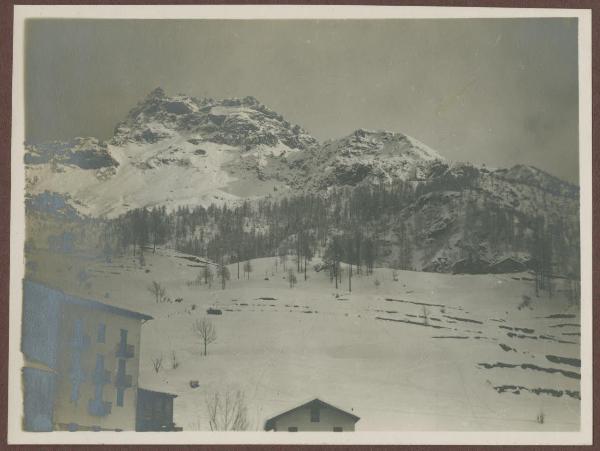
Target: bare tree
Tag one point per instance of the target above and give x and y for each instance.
(224, 275)
(350, 277)
(283, 259)
(141, 258)
(228, 411)
(174, 361)
(208, 275)
(292, 278)
(247, 268)
(574, 291)
(541, 417)
(205, 329)
(197, 281)
(158, 291)
(157, 363)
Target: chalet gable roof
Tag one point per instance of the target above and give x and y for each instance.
(270, 423)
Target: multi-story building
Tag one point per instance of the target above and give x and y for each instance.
(81, 362)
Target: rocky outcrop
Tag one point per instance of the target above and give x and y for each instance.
(244, 123)
(85, 153)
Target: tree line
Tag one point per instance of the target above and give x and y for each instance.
(349, 225)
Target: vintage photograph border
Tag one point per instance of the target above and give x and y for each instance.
(12, 181)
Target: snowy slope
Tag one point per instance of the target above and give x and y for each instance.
(478, 362)
(169, 151)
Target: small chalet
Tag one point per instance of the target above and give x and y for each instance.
(507, 265)
(471, 266)
(315, 415)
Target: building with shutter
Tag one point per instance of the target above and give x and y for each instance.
(81, 362)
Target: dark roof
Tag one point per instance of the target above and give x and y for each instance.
(270, 423)
(95, 305)
(156, 393)
(505, 259)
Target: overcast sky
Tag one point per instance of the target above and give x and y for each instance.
(495, 91)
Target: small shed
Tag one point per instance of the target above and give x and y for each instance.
(315, 415)
(507, 265)
(154, 411)
(471, 266)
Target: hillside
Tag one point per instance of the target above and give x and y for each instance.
(429, 294)
(420, 210)
(423, 352)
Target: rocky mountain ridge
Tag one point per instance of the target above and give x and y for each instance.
(179, 151)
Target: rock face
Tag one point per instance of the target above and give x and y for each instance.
(367, 156)
(172, 150)
(187, 151)
(244, 123)
(85, 153)
(532, 176)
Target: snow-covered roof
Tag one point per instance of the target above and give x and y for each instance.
(61, 296)
(157, 393)
(270, 423)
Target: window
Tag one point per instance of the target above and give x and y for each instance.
(98, 393)
(75, 392)
(120, 396)
(292, 429)
(337, 429)
(315, 414)
(123, 336)
(99, 363)
(101, 333)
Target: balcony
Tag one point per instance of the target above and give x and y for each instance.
(101, 377)
(123, 380)
(99, 408)
(124, 351)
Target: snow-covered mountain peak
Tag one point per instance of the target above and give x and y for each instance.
(532, 176)
(178, 150)
(387, 143)
(172, 150)
(241, 122)
(370, 156)
(157, 92)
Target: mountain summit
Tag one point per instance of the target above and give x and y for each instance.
(184, 151)
(244, 123)
(367, 156)
(171, 150)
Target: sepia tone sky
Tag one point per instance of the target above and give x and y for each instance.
(493, 91)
